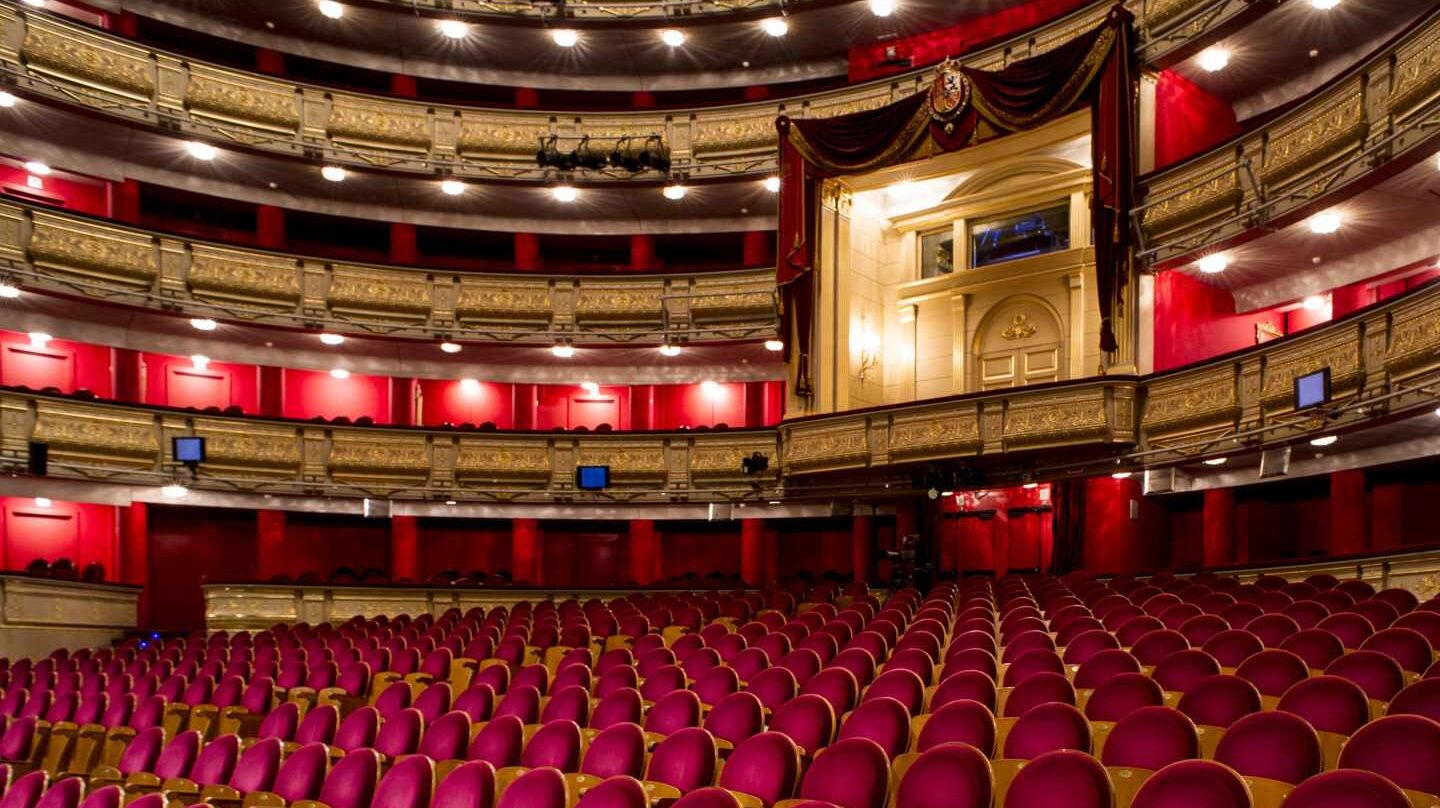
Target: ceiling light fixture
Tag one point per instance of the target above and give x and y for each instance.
(450, 347)
(564, 193)
(7, 99)
(199, 361)
(203, 324)
(452, 187)
(331, 9)
(1313, 303)
(1121, 475)
(1030, 486)
(772, 184)
(710, 387)
(1323, 224)
(470, 385)
(39, 339)
(565, 37)
(672, 37)
(774, 345)
(669, 350)
(38, 168)
(173, 490)
(454, 29)
(1216, 461)
(42, 502)
(35, 3)
(1213, 264)
(674, 193)
(1214, 59)
(563, 350)
(882, 8)
(590, 387)
(775, 26)
(1324, 5)
(332, 339)
(334, 173)
(1324, 441)
(201, 151)
(9, 290)
(339, 373)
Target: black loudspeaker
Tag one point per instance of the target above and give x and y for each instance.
(38, 460)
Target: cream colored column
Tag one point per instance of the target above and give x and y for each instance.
(959, 344)
(1146, 145)
(830, 361)
(1076, 283)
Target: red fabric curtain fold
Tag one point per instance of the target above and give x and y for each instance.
(1094, 69)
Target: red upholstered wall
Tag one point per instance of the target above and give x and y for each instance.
(871, 61)
(1112, 541)
(81, 532)
(699, 547)
(815, 547)
(174, 381)
(464, 545)
(1188, 120)
(68, 366)
(448, 401)
(1196, 321)
(73, 192)
(322, 542)
(579, 554)
(978, 533)
(315, 393)
(189, 546)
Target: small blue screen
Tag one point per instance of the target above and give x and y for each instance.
(189, 450)
(1310, 390)
(592, 478)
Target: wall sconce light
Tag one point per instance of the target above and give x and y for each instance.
(867, 340)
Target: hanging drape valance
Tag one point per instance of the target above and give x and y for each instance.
(965, 106)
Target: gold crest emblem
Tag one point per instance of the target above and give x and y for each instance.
(949, 93)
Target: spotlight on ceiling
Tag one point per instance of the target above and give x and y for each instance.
(774, 345)
(1216, 461)
(1122, 475)
(39, 339)
(43, 502)
(882, 8)
(201, 151)
(1323, 224)
(1324, 5)
(331, 9)
(37, 168)
(450, 347)
(590, 387)
(173, 490)
(35, 3)
(452, 187)
(1213, 264)
(1313, 303)
(339, 373)
(669, 349)
(775, 26)
(7, 99)
(563, 350)
(469, 385)
(564, 193)
(199, 361)
(1322, 442)
(332, 339)
(772, 184)
(203, 324)
(9, 290)
(672, 37)
(675, 193)
(454, 29)
(565, 37)
(1214, 59)
(334, 173)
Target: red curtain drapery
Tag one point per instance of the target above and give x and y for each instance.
(1095, 69)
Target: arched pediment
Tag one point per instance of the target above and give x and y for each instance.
(1013, 174)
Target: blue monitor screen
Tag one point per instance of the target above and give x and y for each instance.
(189, 450)
(1312, 389)
(592, 478)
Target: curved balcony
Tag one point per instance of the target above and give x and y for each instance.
(597, 10)
(70, 254)
(1383, 362)
(131, 445)
(73, 64)
(1378, 118)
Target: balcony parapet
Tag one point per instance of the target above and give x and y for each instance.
(74, 64)
(70, 254)
(1381, 114)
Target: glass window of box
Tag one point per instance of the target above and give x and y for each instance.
(1021, 235)
(937, 253)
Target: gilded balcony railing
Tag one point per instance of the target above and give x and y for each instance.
(62, 252)
(1383, 112)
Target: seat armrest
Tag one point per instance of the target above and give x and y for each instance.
(264, 799)
(180, 785)
(144, 781)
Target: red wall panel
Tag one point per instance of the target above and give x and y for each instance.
(450, 401)
(699, 548)
(576, 554)
(1196, 321)
(569, 407)
(173, 381)
(68, 366)
(82, 532)
(463, 545)
(73, 192)
(690, 405)
(1188, 120)
(815, 547)
(317, 542)
(317, 394)
(189, 546)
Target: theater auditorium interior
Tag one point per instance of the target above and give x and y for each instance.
(720, 404)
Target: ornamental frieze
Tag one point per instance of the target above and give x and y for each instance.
(1208, 398)
(244, 276)
(97, 434)
(815, 447)
(248, 101)
(93, 250)
(382, 458)
(1339, 351)
(502, 461)
(1056, 419)
(627, 462)
(935, 433)
(372, 123)
(366, 292)
(249, 449)
(95, 61)
(1414, 337)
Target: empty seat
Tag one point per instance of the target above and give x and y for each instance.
(1193, 784)
(618, 750)
(685, 760)
(1273, 671)
(808, 720)
(471, 785)
(1220, 700)
(677, 710)
(556, 744)
(351, 784)
(851, 773)
(616, 792)
(499, 742)
(1048, 727)
(1406, 646)
(1151, 738)
(948, 776)
(1100, 667)
(1316, 646)
(1404, 748)
(737, 717)
(1347, 788)
(1275, 745)
(1061, 779)
(1232, 647)
(766, 766)
(1121, 695)
(537, 788)
(1184, 669)
(883, 720)
(1379, 675)
(1041, 688)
